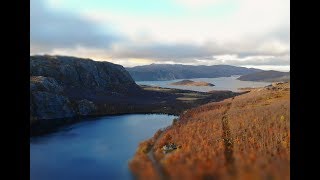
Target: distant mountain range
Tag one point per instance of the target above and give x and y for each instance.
(267, 76)
(159, 72)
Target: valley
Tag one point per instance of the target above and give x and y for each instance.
(217, 132)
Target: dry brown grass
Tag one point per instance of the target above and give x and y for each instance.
(247, 137)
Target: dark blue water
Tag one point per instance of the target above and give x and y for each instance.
(93, 150)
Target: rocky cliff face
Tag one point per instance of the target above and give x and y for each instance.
(47, 100)
(63, 87)
(75, 73)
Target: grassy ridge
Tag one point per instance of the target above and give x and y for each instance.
(245, 137)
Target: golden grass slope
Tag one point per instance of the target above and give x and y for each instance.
(247, 137)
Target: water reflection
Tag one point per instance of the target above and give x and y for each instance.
(98, 149)
(222, 83)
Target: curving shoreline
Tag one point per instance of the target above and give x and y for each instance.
(151, 100)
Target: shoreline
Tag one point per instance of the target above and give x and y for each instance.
(161, 101)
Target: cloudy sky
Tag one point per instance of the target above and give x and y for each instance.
(249, 33)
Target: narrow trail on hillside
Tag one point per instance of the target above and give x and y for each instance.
(157, 166)
(228, 142)
(160, 171)
(228, 145)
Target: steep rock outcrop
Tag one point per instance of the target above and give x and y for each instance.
(85, 107)
(66, 87)
(79, 74)
(50, 106)
(41, 83)
(47, 100)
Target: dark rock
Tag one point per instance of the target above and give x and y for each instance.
(40, 83)
(46, 105)
(76, 74)
(86, 107)
(47, 100)
(169, 148)
(63, 87)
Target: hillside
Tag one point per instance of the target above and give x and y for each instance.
(191, 83)
(63, 86)
(267, 76)
(245, 137)
(66, 89)
(157, 72)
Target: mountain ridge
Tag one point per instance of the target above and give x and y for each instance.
(158, 72)
(266, 76)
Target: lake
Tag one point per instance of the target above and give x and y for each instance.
(221, 83)
(98, 149)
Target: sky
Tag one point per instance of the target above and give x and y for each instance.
(248, 33)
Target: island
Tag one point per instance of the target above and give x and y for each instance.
(191, 83)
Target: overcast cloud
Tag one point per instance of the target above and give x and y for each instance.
(246, 33)
(50, 30)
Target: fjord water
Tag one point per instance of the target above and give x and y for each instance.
(221, 83)
(98, 149)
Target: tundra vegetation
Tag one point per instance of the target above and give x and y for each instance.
(245, 137)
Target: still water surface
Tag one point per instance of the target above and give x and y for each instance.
(98, 149)
(221, 83)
